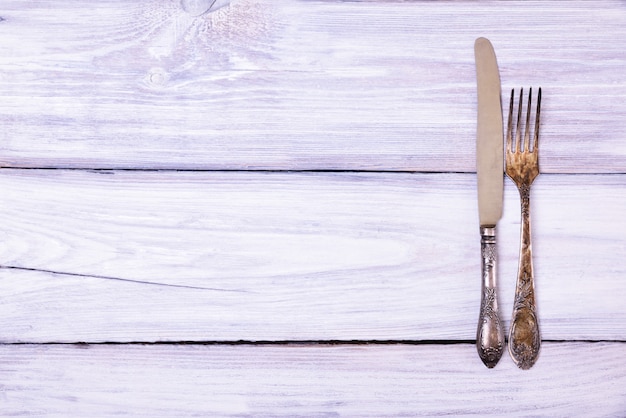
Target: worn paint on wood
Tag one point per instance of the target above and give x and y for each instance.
(306, 381)
(300, 84)
(145, 256)
(169, 256)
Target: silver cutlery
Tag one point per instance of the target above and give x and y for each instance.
(490, 173)
(522, 166)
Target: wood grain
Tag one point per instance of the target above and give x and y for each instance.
(301, 85)
(571, 379)
(207, 251)
(187, 256)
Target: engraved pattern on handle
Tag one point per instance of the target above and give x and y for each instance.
(524, 338)
(490, 333)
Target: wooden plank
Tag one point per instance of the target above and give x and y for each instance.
(301, 85)
(570, 379)
(213, 256)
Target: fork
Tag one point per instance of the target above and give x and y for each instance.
(522, 166)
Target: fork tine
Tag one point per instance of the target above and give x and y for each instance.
(536, 140)
(509, 128)
(527, 129)
(518, 138)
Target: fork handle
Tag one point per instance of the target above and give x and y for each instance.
(524, 338)
(490, 333)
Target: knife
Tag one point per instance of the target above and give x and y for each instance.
(490, 173)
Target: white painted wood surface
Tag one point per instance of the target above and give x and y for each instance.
(301, 84)
(307, 381)
(148, 256)
(132, 213)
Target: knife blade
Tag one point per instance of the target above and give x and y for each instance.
(490, 173)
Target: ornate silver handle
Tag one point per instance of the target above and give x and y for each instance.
(524, 339)
(490, 333)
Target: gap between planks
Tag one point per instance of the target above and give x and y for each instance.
(298, 343)
(277, 171)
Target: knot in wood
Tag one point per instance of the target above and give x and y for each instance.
(157, 77)
(200, 7)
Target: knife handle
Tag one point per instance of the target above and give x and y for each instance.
(490, 333)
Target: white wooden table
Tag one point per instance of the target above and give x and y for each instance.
(269, 209)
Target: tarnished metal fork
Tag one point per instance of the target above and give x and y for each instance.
(522, 166)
